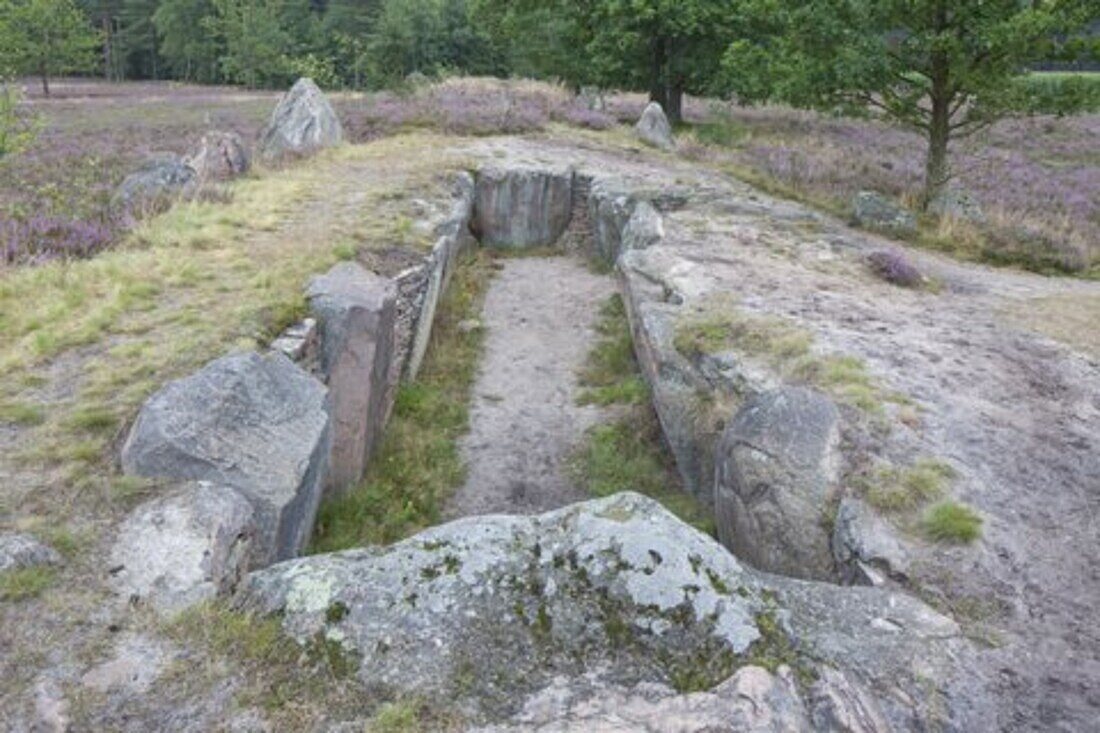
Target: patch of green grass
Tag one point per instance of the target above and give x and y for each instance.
(93, 419)
(952, 523)
(786, 348)
(628, 456)
(610, 375)
(24, 583)
(402, 716)
(22, 414)
(892, 489)
(418, 463)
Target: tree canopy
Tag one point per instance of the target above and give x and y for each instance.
(45, 38)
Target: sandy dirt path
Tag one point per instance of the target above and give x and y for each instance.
(540, 315)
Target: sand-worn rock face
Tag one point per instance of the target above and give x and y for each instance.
(867, 550)
(356, 309)
(302, 123)
(219, 156)
(256, 423)
(489, 609)
(653, 127)
(191, 545)
(777, 471)
(522, 208)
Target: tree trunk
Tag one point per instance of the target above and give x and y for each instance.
(658, 89)
(936, 168)
(675, 108)
(44, 72)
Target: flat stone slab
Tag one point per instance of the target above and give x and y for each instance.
(519, 207)
(20, 551)
(189, 546)
(259, 424)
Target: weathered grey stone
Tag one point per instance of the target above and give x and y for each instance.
(257, 423)
(19, 551)
(136, 664)
(616, 592)
(219, 156)
(776, 468)
(302, 123)
(839, 704)
(593, 98)
(653, 127)
(645, 228)
(751, 701)
(188, 546)
(874, 211)
(866, 549)
(957, 203)
(300, 342)
(609, 210)
(160, 179)
(356, 310)
(520, 207)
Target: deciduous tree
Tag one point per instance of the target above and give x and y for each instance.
(45, 38)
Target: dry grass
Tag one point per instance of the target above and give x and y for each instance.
(1070, 319)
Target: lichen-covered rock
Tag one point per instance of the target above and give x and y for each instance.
(188, 546)
(616, 592)
(777, 467)
(20, 551)
(957, 203)
(219, 156)
(872, 210)
(653, 127)
(609, 210)
(645, 227)
(866, 548)
(152, 187)
(302, 123)
(256, 423)
(519, 207)
(356, 310)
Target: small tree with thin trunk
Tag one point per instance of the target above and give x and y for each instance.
(941, 67)
(45, 38)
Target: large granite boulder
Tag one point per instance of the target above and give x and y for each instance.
(872, 210)
(20, 551)
(302, 123)
(191, 545)
(259, 424)
(776, 471)
(653, 127)
(486, 611)
(356, 309)
(152, 187)
(219, 156)
(519, 207)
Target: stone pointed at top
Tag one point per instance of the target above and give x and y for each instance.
(303, 122)
(653, 127)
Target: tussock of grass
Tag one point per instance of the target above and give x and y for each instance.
(22, 414)
(610, 376)
(784, 347)
(892, 489)
(396, 717)
(19, 585)
(418, 464)
(952, 523)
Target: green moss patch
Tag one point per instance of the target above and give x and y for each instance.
(610, 375)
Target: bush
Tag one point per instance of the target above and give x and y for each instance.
(17, 128)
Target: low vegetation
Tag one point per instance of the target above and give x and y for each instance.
(787, 348)
(628, 453)
(24, 583)
(894, 489)
(952, 522)
(418, 464)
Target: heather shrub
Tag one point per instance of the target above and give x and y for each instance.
(894, 267)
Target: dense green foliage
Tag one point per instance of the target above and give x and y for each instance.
(44, 38)
(942, 67)
(1057, 93)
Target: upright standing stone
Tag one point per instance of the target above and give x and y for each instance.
(259, 424)
(653, 127)
(219, 156)
(519, 208)
(303, 122)
(776, 467)
(356, 310)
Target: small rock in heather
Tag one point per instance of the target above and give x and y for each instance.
(219, 156)
(957, 203)
(20, 551)
(302, 123)
(872, 210)
(654, 128)
(152, 187)
(593, 99)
